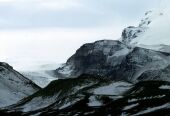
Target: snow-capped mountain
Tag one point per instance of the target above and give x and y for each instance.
(14, 86)
(109, 58)
(152, 32)
(109, 77)
(142, 53)
(157, 31)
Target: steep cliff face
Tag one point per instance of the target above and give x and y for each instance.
(13, 85)
(97, 58)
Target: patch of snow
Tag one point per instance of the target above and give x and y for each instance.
(159, 47)
(146, 98)
(66, 70)
(164, 87)
(121, 52)
(130, 106)
(132, 100)
(115, 88)
(94, 102)
(39, 102)
(67, 104)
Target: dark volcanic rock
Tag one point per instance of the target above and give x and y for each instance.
(148, 98)
(141, 61)
(131, 33)
(97, 58)
(112, 59)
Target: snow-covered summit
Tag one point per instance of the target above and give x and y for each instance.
(157, 31)
(152, 31)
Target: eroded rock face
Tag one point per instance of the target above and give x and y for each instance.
(97, 58)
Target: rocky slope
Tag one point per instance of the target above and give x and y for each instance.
(147, 98)
(14, 86)
(99, 97)
(61, 93)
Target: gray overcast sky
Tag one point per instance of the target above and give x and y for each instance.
(71, 13)
(51, 30)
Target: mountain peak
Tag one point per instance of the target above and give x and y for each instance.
(152, 31)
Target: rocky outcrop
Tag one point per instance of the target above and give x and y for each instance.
(97, 58)
(131, 33)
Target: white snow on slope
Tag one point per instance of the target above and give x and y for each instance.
(121, 52)
(94, 102)
(160, 47)
(145, 98)
(13, 86)
(157, 31)
(130, 106)
(39, 102)
(164, 87)
(115, 88)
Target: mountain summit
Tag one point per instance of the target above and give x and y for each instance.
(152, 32)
